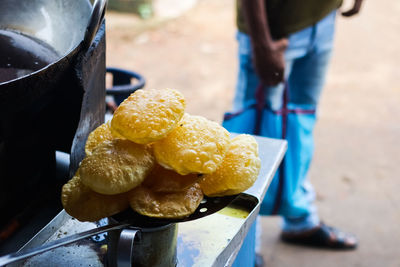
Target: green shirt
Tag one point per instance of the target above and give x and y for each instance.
(289, 16)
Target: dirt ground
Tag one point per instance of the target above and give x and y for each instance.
(356, 167)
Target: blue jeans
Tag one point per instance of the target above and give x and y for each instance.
(307, 58)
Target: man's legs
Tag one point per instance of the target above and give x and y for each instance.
(307, 57)
(297, 202)
(305, 79)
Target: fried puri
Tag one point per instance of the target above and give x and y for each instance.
(149, 115)
(98, 136)
(116, 166)
(238, 171)
(114, 133)
(197, 145)
(165, 205)
(162, 180)
(84, 204)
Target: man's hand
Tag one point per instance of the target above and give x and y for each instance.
(354, 10)
(268, 54)
(269, 61)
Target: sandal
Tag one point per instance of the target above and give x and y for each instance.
(322, 236)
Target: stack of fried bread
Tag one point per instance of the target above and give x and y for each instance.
(158, 160)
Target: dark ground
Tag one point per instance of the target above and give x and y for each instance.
(356, 167)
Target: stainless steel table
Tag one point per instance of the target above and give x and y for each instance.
(210, 241)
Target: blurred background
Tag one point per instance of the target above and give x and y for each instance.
(190, 46)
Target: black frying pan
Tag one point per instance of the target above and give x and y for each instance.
(40, 111)
(68, 27)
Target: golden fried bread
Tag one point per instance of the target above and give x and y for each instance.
(116, 166)
(168, 181)
(197, 145)
(149, 115)
(165, 205)
(84, 204)
(114, 133)
(159, 161)
(238, 171)
(99, 135)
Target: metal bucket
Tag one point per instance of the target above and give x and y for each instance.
(143, 246)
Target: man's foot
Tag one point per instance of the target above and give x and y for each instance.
(322, 236)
